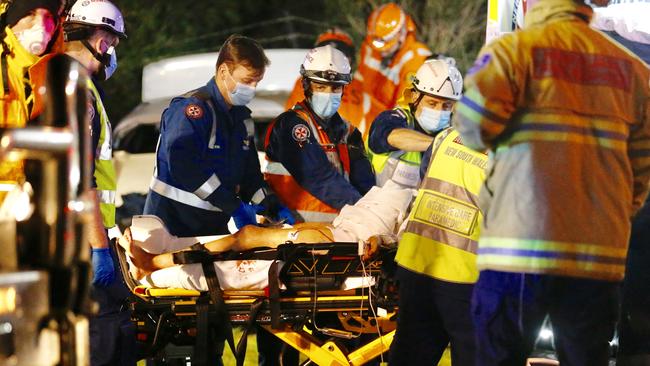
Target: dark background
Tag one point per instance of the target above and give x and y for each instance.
(159, 29)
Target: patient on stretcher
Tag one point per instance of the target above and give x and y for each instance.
(374, 218)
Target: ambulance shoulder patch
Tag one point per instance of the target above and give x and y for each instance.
(193, 111)
(90, 110)
(300, 133)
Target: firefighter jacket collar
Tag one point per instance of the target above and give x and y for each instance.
(551, 10)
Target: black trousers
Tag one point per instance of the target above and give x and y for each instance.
(634, 325)
(432, 314)
(509, 309)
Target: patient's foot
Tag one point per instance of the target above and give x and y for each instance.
(141, 261)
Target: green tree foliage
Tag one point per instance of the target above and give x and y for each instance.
(164, 28)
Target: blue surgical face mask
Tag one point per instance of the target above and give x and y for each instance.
(434, 120)
(242, 94)
(325, 104)
(110, 68)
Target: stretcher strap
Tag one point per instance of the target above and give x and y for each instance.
(274, 295)
(201, 347)
(243, 341)
(216, 295)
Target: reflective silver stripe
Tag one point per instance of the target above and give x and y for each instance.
(208, 187)
(181, 196)
(314, 216)
(213, 132)
(391, 73)
(259, 196)
(424, 52)
(106, 196)
(276, 168)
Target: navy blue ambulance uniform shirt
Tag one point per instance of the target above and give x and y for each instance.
(206, 164)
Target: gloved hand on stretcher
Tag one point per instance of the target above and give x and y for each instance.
(245, 214)
(103, 270)
(273, 209)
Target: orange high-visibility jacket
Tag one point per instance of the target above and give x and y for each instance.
(309, 208)
(383, 85)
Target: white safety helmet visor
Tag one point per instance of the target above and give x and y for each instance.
(326, 64)
(440, 79)
(97, 13)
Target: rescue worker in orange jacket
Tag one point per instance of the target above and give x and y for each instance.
(316, 159)
(390, 55)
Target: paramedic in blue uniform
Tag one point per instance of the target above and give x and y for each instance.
(207, 169)
(316, 160)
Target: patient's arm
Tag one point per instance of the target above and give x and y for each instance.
(248, 237)
(251, 237)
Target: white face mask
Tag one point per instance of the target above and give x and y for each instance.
(242, 94)
(325, 104)
(434, 120)
(34, 39)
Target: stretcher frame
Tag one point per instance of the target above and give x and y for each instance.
(208, 316)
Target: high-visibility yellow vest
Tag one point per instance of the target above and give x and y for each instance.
(402, 167)
(104, 170)
(441, 236)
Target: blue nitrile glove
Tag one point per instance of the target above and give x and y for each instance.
(245, 215)
(284, 214)
(103, 270)
(272, 208)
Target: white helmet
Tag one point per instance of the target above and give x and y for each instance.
(439, 78)
(326, 64)
(97, 13)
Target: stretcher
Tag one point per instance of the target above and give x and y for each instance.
(306, 308)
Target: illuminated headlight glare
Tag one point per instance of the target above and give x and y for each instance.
(546, 334)
(22, 208)
(76, 206)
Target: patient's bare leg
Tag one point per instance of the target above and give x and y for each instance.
(248, 237)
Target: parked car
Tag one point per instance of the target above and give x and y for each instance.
(136, 135)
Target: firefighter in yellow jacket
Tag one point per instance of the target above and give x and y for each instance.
(30, 29)
(437, 258)
(565, 113)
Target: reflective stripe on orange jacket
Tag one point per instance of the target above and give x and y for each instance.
(383, 84)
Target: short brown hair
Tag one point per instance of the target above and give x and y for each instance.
(238, 49)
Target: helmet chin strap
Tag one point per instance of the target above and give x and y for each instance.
(104, 59)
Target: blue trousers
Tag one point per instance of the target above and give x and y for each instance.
(509, 308)
(432, 314)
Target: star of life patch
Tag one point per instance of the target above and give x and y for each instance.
(90, 110)
(300, 133)
(194, 111)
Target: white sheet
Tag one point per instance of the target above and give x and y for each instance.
(380, 212)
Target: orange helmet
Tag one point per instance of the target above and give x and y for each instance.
(386, 27)
(338, 39)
